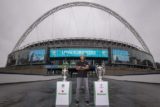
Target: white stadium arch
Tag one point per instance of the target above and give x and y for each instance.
(86, 4)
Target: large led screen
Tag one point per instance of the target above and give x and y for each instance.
(120, 55)
(37, 55)
(71, 52)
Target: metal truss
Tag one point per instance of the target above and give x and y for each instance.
(75, 4)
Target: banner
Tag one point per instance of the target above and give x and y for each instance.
(71, 52)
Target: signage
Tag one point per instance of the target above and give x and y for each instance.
(77, 52)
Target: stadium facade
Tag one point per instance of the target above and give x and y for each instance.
(97, 51)
(40, 56)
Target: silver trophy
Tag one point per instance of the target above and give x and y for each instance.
(100, 72)
(65, 70)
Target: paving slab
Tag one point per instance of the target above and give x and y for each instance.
(43, 94)
(149, 78)
(18, 78)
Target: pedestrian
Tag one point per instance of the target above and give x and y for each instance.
(82, 68)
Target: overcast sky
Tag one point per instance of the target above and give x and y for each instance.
(17, 15)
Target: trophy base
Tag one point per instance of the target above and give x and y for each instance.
(63, 94)
(101, 96)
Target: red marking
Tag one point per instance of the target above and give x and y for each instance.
(62, 91)
(101, 91)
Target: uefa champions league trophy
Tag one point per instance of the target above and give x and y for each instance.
(101, 96)
(100, 72)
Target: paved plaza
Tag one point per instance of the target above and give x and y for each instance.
(43, 93)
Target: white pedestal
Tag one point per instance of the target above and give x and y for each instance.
(63, 94)
(101, 96)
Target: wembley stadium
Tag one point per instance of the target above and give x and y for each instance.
(97, 51)
(51, 54)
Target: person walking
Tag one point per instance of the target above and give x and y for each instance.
(82, 68)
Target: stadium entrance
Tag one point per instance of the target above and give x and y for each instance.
(60, 57)
(69, 56)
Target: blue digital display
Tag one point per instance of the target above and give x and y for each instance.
(120, 55)
(37, 55)
(71, 52)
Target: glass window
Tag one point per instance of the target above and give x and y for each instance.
(120, 55)
(23, 57)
